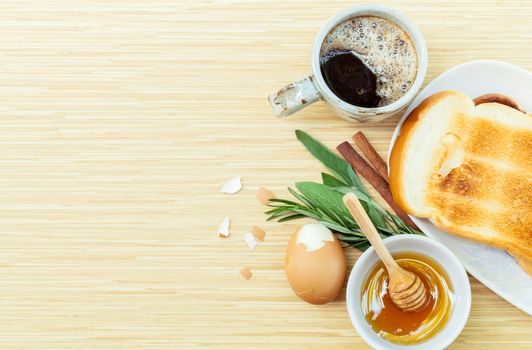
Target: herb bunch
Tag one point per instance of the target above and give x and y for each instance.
(323, 201)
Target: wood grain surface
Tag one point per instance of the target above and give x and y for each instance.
(119, 121)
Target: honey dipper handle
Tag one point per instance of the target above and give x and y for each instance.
(357, 211)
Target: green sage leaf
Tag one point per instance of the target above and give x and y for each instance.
(336, 165)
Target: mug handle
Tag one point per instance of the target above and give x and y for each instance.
(294, 97)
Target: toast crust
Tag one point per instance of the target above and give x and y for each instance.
(497, 98)
(398, 154)
(470, 194)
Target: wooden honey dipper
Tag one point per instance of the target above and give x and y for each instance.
(405, 288)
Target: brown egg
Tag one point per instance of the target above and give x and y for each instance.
(315, 264)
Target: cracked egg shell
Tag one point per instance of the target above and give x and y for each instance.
(315, 264)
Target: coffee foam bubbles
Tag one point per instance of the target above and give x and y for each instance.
(383, 47)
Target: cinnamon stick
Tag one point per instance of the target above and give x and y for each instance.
(377, 181)
(371, 154)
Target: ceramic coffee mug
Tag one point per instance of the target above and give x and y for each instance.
(302, 93)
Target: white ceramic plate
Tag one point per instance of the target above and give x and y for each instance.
(492, 267)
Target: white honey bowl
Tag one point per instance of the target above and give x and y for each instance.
(437, 252)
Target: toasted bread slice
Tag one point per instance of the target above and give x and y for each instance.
(468, 169)
(498, 98)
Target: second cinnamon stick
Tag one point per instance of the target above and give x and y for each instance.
(377, 181)
(371, 154)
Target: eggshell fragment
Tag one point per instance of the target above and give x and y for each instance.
(232, 186)
(250, 240)
(223, 229)
(245, 272)
(315, 264)
(264, 195)
(258, 233)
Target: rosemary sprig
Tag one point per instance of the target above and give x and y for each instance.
(323, 201)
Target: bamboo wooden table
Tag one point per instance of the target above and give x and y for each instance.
(119, 122)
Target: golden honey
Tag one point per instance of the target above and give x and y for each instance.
(400, 327)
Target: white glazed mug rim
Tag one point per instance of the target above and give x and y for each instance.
(389, 14)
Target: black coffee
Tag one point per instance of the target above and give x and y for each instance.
(382, 51)
(350, 79)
